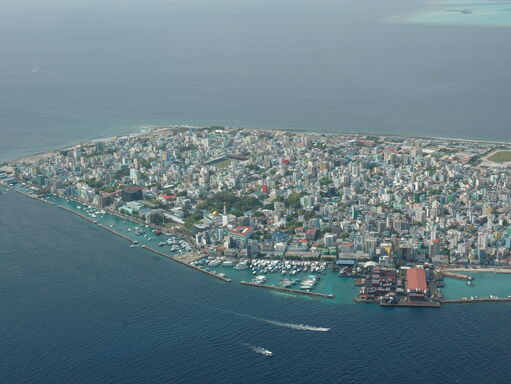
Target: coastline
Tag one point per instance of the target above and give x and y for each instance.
(162, 132)
(224, 278)
(186, 262)
(145, 132)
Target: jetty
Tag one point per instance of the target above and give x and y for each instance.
(289, 290)
(215, 275)
(476, 300)
(454, 275)
(418, 304)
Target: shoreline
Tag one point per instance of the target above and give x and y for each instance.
(142, 246)
(145, 132)
(222, 277)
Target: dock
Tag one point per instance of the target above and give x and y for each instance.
(477, 300)
(454, 275)
(289, 290)
(423, 304)
(215, 275)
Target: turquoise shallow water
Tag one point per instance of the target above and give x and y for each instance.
(483, 285)
(461, 13)
(79, 305)
(105, 67)
(343, 288)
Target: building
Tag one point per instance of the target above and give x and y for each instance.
(241, 234)
(416, 280)
(131, 194)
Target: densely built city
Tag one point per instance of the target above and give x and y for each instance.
(391, 211)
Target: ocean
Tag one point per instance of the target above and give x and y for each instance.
(79, 305)
(80, 69)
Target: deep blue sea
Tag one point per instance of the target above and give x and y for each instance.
(78, 305)
(77, 69)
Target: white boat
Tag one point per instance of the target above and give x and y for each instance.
(263, 351)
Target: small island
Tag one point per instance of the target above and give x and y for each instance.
(288, 210)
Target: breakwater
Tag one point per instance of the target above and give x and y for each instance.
(215, 275)
(289, 290)
(506, 270)
(424, 304)
(458, 276)
(117, 233)
(477, 300)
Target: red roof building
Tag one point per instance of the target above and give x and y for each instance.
(243, 231)
(311, 233)
(416, 280)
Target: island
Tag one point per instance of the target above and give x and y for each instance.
(396, 214)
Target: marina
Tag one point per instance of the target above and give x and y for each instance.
(306, 278)
(288, 290)
(92, 215)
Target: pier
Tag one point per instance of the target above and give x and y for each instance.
(424, 304)
(117, 233)
(454, 275)
(477, 300)
(289, 290)
(215, 275)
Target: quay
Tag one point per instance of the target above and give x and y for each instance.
(223, 278)
(454, 275)
(477, 300)
(483, 269)
(289, 290)
(425, 304)
(117, 233)
(35, 197)
(215, 275)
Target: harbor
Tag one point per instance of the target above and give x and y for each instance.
(289, 290)
(466, 300)
(458, 276)
(301, 278)
(102, 219)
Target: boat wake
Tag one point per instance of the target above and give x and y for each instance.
(299, 327)
(295, 326)
(260, 350)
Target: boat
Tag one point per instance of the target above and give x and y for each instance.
(263, 351)
(259, 279)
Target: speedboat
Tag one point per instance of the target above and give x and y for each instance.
(263, 351)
